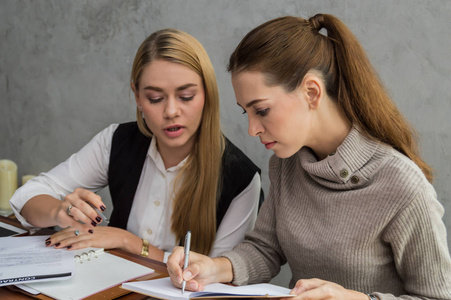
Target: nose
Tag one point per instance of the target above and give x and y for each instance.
(172, 108)
(255, 127)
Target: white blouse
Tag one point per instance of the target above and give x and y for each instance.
(150, 215)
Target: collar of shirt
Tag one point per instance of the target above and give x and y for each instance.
(156, 157)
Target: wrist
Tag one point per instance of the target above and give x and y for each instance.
(223, 269)
(130, 242)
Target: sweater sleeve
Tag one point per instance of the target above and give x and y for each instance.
(259, 257)
(417, 236)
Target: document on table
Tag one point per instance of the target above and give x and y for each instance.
(163, 289)
(27, 259)
(95, 271)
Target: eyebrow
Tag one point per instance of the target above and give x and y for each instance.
(180, 88)
(253, 102)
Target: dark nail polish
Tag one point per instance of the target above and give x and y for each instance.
(57, 244)
(47, 243)
(93, 223)
(98, 219)
(102, 208)
(48, 239)
(68, 247)
(91, 231)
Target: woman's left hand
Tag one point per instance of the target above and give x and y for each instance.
(317, 289)
(103, 237)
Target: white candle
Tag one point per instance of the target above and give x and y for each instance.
(25, 178)
(8, 183)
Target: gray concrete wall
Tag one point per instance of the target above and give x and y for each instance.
(64, 68)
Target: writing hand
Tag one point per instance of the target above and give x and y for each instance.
(201, 270)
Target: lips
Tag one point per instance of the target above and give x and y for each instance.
(269, 145)
(174, 131)
(173, 128)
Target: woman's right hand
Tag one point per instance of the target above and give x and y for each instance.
(78, 206)
(201, 270)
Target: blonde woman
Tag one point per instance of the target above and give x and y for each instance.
(169, 172)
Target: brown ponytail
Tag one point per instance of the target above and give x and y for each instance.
(286, 48)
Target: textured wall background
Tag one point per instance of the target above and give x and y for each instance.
(65, 66)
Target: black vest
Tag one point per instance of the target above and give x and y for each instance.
(128, 152)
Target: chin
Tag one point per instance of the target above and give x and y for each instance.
(284, 154)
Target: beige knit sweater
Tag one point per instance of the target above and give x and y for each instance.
(365, 217)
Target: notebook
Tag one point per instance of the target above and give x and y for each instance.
(163, 289)
(95, 270)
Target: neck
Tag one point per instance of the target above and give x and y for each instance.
(172, 156)
(330, 129)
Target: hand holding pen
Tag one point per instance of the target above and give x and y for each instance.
(185, 264)
(202, 270)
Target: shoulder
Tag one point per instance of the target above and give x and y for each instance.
(402, 179)
(126, 129)
(127, 133)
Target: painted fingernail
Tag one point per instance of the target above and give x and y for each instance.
(48, 239)
(98, 219)
(47, 243)
(57, 244)
(93, 223)
(68, 247)
(91, 231)
(102, 207)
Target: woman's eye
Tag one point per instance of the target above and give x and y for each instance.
(262, 112)
(155, 100)
(187, 98)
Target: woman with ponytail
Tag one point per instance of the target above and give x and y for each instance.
(170, 171)
(351, 207)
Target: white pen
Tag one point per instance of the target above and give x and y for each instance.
(100, 213)
(104, 218)
(185, 264)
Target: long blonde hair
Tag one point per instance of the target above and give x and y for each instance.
(286, 48)
(195, 198)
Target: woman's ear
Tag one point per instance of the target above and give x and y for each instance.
(312, 87)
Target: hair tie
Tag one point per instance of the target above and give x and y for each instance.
(317, 22)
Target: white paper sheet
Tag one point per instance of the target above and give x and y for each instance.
(27, 259)
(163, 288)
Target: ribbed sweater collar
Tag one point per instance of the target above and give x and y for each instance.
(357, 156)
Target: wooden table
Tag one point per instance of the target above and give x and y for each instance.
(11, 292)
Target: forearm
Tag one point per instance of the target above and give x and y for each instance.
(42, 211)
